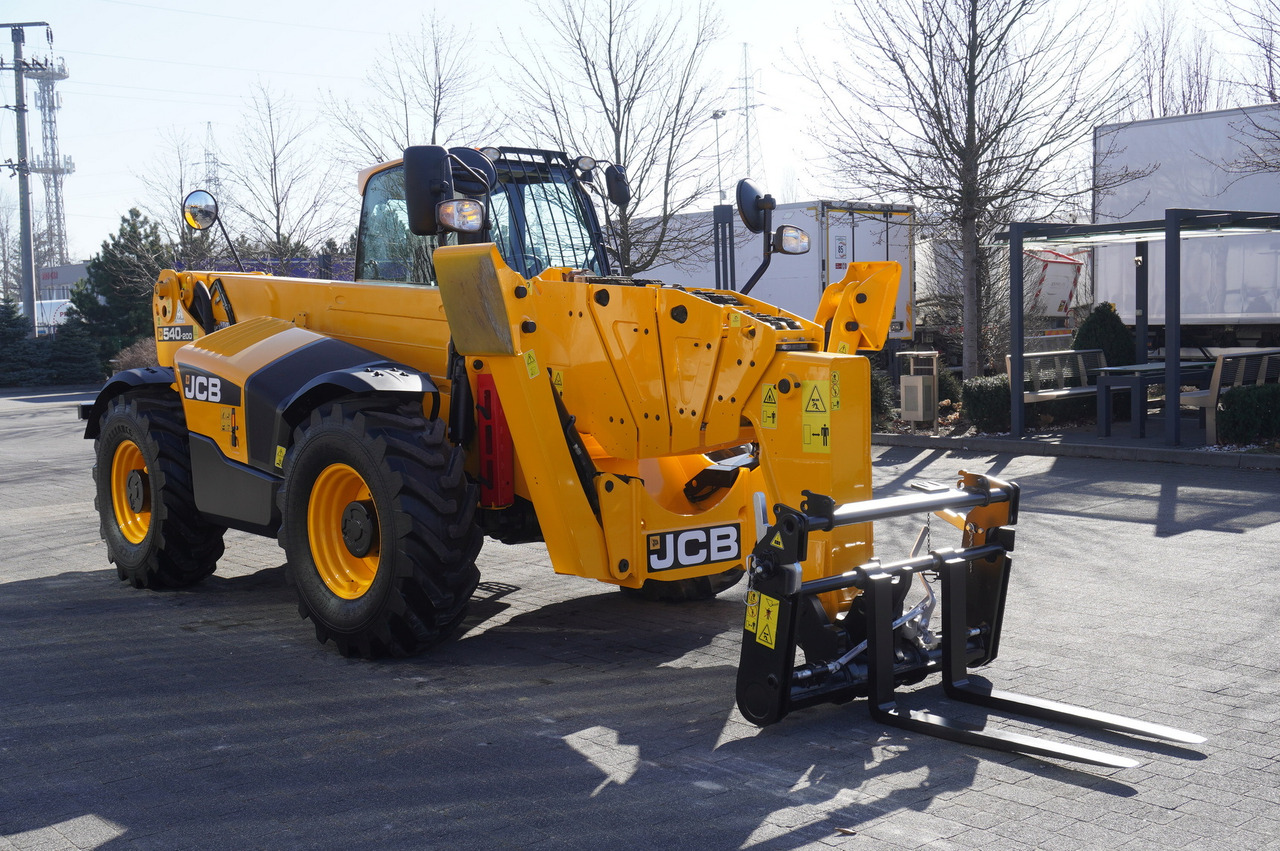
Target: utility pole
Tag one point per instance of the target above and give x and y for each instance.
(716, 116)
(23, 168)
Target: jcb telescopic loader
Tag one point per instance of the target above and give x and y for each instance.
(487, 374)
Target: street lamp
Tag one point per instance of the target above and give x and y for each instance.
(716, 116)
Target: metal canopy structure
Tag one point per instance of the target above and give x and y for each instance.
(1177, 225)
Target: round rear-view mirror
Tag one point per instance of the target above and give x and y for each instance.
(200, 210)
(749, 208)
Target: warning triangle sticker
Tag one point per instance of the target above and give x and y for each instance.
(815, 404)
(180, 317)
(770, 397)
(776, 543)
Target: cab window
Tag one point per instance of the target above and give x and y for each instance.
(387, 251)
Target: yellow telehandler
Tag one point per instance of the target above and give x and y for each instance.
(488, 373)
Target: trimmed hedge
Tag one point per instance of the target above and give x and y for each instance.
(986, 402)
(1250, 414)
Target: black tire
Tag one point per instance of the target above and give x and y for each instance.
(154, 533)
(395, 577)
(685, 590)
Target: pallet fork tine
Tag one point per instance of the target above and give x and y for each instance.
(958, 686)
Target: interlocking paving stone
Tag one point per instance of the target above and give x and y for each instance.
(567, 715)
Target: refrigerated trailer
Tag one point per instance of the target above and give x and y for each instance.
(840, 233)
(1230, 284)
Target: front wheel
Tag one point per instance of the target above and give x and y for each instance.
(155, 535)
(378, 524)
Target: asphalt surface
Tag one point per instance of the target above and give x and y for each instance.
(569, 716)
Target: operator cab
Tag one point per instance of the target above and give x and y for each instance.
(531, 204)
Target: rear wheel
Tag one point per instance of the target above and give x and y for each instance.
(155, 535)
(378, 523)
(686, 590)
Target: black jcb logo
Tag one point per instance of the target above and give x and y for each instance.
(692, 547)
(202, 388)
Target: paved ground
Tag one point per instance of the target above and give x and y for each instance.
(568, 716)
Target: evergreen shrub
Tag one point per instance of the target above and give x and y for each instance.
(986, 402)
(1250, 414)
(1104, 329)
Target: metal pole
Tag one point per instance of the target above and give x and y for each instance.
(716, 116)
(1172, 324)
(23, 168)
(1140, 301)
(1017, 411)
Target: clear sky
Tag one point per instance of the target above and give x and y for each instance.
(144, 69)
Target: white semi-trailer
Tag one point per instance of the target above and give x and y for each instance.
(840, 233)
(1230, 284)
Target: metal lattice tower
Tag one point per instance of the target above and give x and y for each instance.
(750, 139)
(212, 182)
(50, 165)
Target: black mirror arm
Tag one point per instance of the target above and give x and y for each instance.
(230, 245)
(767, 230)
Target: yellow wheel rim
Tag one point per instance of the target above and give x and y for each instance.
(346, 572)
(130, 492)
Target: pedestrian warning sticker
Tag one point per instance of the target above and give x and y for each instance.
(769, 407)
(531, 363)
(816, 416)
(753, 611)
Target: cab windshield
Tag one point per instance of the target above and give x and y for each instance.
(536, 214)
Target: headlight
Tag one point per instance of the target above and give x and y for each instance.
(789, 239)
(465, 215)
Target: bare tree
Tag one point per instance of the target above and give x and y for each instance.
(176, 169)
(1258, 23)
(1177, 67)
(979, 111)
(622, 80)
(285, 186)
(426, 90)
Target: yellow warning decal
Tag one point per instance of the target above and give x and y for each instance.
(776, 543)
(767, 624)
(843, 348)
(816, 416)
(557, 380)
(279, 456)
(531, 363)
(753, 611)
(835, 390)
(735, 320)
(769, 407)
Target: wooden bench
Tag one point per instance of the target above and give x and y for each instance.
(1057, 375)
(1234, 369)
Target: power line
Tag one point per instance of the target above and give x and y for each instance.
(263, 21)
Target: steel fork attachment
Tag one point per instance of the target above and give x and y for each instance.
(872, 648)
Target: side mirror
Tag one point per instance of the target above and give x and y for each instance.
(200, 210)
(429, 188)
(754, 206)
(428, 181)
(616, 185)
